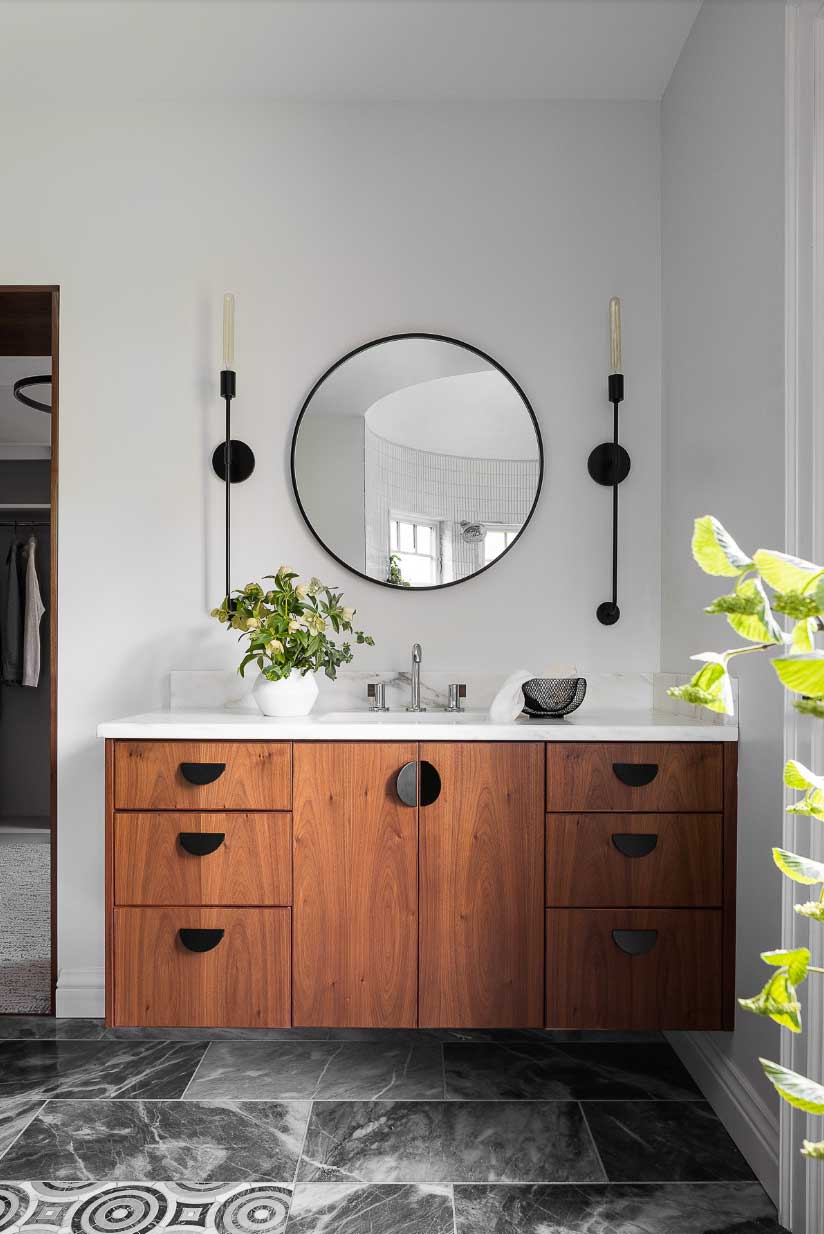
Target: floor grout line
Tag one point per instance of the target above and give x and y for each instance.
(194, 1073)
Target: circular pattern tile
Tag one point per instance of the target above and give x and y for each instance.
(135, 1209)
(254, 1210)
(14, 1204)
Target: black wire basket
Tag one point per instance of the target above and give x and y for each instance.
(552, 697)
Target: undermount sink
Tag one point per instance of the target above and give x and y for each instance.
(405, 717)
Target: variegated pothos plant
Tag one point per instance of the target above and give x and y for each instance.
(765, 584)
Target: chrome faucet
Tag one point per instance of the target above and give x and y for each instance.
(415, 705)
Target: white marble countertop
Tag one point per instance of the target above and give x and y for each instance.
(590, 724)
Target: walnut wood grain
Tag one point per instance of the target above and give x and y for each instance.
(148, 776)
(252, 866)
(242, 983)
(481, 898)
(730, 879)
(355, 886)
(584, 869)
(580, 776)
(592, 984)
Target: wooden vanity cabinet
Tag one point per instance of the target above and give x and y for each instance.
(575, 885)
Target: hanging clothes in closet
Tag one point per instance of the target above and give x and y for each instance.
(21, 612)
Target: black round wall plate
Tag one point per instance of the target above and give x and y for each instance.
(243, 461)
(602, 463)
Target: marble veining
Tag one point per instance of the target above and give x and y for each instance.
(97, 1069)
(320, 1069)
(664, 1141)
(558, 1070)
(37, 1027)
(346, 1208)
(441, 1142)
(220, 1141)
(728, 1208)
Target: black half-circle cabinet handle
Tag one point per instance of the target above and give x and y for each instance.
(200, 940)
(635, 775)
(634, 844)
(201, 843)
(430, 783)
(635, 942)
(202, 773)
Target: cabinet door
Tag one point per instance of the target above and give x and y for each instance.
(355, 886)
(481, 906)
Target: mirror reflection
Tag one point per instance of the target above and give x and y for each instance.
(417, 461)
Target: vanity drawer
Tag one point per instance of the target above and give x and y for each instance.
(241, 981)
(629, 860)
(633, 968)
(203, 859)
(641, 776)
(202, 775)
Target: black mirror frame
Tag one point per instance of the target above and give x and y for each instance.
(393, 338)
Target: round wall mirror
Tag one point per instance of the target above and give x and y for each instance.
(417, 461)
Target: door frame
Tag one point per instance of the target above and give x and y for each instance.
(53, 290)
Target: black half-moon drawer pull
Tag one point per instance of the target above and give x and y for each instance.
(634, 845)
(407, 784)
(635, 942)
(200, 940)
(430, 784)
(201, 843)
(636, 775)
(202, 773)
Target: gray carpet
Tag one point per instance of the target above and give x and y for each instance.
(25, 928)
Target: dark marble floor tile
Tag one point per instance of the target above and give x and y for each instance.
(192, 1142)
(346, 1208)
(97, 1069)
(574, 1071)
(547, 1036)
(448, 1141)
(216, 1034)
(658, 1208)
(15, 1114)
(44, 1028)
(140, 1207)
(320, 1069)
(664, 1141)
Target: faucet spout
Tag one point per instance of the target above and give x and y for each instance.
(417, 656)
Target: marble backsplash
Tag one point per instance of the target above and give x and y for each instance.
(195, 689)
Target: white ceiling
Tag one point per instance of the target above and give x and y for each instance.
(341, 50)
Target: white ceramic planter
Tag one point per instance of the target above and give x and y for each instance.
(291, 696)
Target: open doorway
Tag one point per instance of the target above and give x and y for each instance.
(28, 642)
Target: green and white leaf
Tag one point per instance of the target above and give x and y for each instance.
(801, 1092)
(799, 869)
(795, 962)
(710, 687)
(759, 626)
(810, 707)
(715, 550)
(797, 775)
(803, 635)
(802, 674)
(813, 909)
(785, 573)
(812, 1149)
(777, 1001)
(811, 805)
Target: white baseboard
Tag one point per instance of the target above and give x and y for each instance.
(81, 993)
(744, 1113)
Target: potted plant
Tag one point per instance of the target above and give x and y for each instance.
(286, 628)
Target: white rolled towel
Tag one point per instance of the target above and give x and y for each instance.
(508, 703)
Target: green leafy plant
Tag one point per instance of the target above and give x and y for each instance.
(394, 575)
(765, 584)
(286, 626)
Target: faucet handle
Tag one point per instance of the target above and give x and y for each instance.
(457, 691)
(376, 690)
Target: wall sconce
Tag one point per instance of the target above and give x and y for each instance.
(609, 463)
(232, 460)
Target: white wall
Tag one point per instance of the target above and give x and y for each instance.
(723, 450)
(509, 226)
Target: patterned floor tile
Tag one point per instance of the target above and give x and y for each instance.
(664, 1141)
(448, 1141)
(204, 1142)
(527, 1071)
(691, 1208)
(346, 1208)
(320, 1069)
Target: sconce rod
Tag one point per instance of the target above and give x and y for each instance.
(228, 386)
